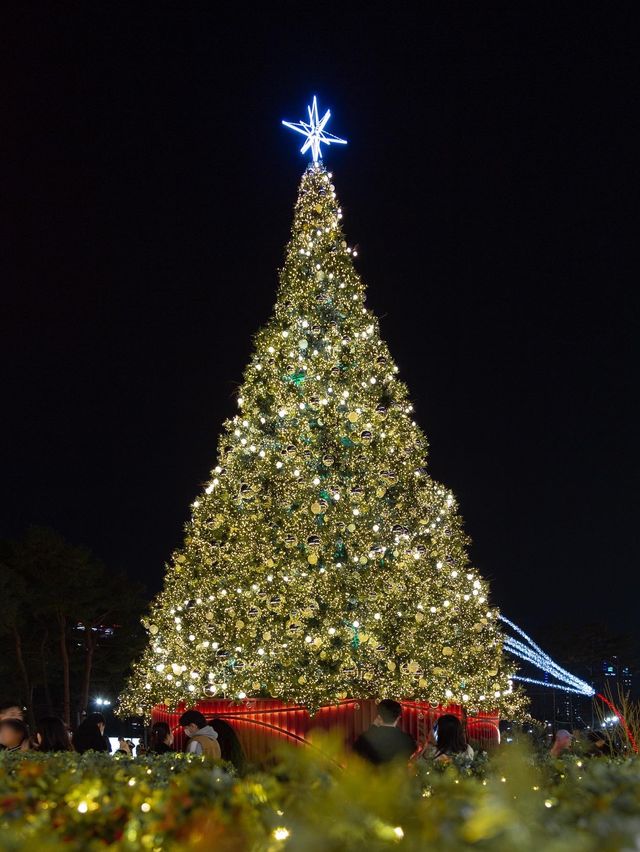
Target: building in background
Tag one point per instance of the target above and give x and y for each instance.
(567, 710)
(616, 676)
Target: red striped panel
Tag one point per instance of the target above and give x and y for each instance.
(259, 722)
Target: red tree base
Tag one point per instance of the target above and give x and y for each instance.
(260, 723)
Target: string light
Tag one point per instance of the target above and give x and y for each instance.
(530, 652)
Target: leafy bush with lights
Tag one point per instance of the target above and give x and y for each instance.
(313, 804)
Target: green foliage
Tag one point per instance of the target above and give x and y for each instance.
(319, 800)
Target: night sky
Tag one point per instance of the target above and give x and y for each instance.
(489, 182)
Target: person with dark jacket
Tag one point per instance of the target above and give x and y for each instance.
(90, 734)
(384, 741)
(52, 735)
(230, 747)
(160, 739)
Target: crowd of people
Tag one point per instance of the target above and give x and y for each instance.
(215, 739)
(383, 742)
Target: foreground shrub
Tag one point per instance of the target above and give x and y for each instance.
(318, 802)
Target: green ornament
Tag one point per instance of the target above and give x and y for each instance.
(296, 378)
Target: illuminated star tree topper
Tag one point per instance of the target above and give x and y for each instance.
(314, 131)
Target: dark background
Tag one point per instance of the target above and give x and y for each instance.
(490, 181)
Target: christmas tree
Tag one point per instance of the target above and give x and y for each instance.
(321, 561)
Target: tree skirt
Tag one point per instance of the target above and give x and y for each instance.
(261, 723)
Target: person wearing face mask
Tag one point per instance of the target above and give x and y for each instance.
(202, 738)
